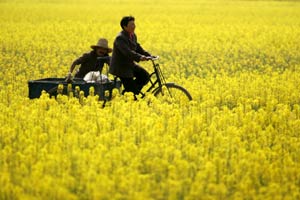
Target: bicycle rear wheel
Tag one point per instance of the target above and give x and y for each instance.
(172, 93)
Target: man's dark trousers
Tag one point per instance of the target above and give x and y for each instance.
(136, 84)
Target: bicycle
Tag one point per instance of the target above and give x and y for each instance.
(54, 86)
(167, 91)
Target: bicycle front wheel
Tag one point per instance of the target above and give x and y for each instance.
(172, 93)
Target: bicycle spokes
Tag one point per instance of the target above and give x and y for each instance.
(173, 93)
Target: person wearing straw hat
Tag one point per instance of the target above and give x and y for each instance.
(90, 61)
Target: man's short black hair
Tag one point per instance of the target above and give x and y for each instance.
(125, 20)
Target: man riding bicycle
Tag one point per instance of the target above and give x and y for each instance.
(127, 51)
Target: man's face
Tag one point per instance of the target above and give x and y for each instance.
(101, 51)
(130, 27)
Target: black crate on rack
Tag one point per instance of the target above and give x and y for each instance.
(50, 85)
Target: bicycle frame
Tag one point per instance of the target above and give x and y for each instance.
(160, 79)
(158, 83)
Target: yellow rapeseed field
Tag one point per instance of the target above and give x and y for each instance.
(238, 139)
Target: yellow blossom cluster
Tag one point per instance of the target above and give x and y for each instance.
(239, 138)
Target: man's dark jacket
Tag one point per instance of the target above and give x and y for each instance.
(126, 52)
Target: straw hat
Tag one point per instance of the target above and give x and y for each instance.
(103, 43)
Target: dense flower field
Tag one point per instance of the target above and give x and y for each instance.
(238, 139)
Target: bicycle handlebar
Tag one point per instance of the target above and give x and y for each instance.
(148, 58)
(152, 58)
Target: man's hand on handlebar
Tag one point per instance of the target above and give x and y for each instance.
(143, 58)
(154, 57)
(146, 58)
